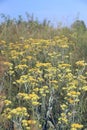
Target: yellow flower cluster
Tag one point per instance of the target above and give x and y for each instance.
(38, 68)
(80, 63)
(76, 126)
(28, 123)
(33, 96)
(73, 97)
(21, 67)
(6, 114)
(19, 111)
(73, 93)
(44, 90)
(63, 119)
(43, 64)
(84, 88)
(63, 106)
(30, 97)
(7, 102)
(64, 65)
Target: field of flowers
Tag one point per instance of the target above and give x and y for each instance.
(43, 89)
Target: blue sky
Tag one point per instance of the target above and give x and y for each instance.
(64, 11)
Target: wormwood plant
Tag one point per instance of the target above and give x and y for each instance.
(43, 89)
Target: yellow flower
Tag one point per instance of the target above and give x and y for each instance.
(44, 95)
(24, 61)
(13, 111)
(36, 89)
(73, 129)
(9, 117)
(76, 125)
(40, 125)
(7, 102)
(24, 122)
(26, 46)
(31, 122)
(64, 65)
(41, 90)
(11, 72)
(84, 88)
(71, 101)
(21, 67)
(29, 57)
(80, 63)
(7, 110)
(21, 95)
(33, 96)
(64, 46)
(47, 91)
(63, 118)
(45, 87)
(26, 97)
(43, 64)
(73, 93)
(64, 106)
(19, 111)
(28, 128)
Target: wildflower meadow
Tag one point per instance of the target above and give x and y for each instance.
(44, 84)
